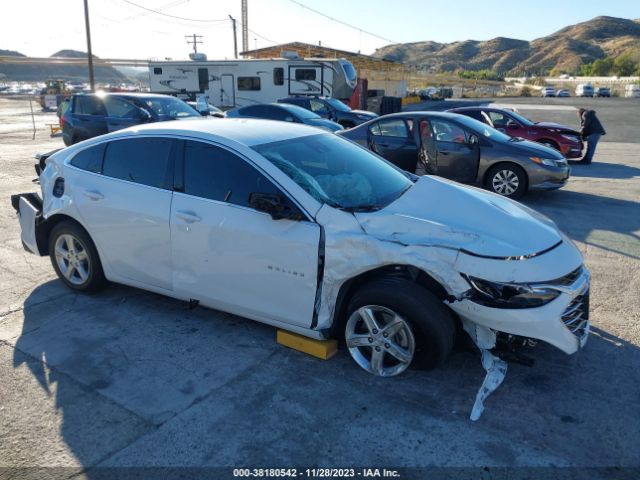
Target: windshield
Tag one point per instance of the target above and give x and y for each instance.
(169, 107)
(482, 129)
(349, 70)
(335, 171)
(338, 105)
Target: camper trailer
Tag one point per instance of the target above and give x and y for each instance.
(632, 91)
(237, 83)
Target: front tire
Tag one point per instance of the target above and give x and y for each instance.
(394, 323)
(508, 180)
(75, 258)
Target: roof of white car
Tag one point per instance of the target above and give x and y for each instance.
(246, 131)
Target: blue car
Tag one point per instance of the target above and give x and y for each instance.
(93, 114)
(285, 113)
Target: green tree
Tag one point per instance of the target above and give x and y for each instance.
(602, 67)
(624, 65)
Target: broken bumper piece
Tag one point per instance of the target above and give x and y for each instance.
(563, 322)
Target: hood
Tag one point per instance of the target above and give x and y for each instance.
(443, 213)
(533, 149)
(365, 113)
(323, 123)
(556, 126)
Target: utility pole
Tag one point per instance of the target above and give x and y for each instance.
(195, 40)
(235, 37)
(92, 82)
(245, 26)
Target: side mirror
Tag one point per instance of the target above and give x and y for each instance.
(274, 205)
(473, 140)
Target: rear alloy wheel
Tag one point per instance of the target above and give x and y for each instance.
(75, 258)
(507, 180)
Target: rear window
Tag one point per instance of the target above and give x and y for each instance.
(89, 159)
(140, 160)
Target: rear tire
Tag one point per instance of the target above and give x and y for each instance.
(75, 258)
(400, 324)
(507, 179)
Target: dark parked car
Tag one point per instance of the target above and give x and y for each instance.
(602, 92)
(285, 113)
(331, 108)
(93, 114)
(463, 149)
(561, 137)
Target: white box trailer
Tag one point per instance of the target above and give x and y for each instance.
(236, 83)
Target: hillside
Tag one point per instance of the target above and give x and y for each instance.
(564, 50)
(36, 72)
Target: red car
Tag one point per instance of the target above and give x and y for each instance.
(562, 138)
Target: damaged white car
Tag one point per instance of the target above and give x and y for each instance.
(311, 233)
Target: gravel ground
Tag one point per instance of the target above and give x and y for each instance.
(126, 378)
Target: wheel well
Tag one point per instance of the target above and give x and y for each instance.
(486, 174)
(407, 272)
(47, 226)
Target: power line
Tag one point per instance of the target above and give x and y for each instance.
(342, 23)
(175, 16)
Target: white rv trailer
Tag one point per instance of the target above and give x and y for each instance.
(236, 83)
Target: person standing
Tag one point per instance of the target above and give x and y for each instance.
(590, 130)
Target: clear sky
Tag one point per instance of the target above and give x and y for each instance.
(122, 30)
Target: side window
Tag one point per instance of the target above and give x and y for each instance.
(89, 105)
(157, 70)
(89, 159)
(117, 107)
(391, 128)
(448, 132)
(140, 160)
(203, 79)
(252, 111)
(217, 174)
(278, 76)
(318, 107)
(276, 113)
(248, 83)
(305, 74)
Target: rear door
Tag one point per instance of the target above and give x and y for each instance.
(89, 117)
(456, 159)
(232, 257)
(392, 139)
(125, 202)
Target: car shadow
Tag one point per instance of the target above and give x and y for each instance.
(615, 229)
(123, 364)
(603, 170)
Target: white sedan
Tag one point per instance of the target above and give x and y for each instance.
(306, 231)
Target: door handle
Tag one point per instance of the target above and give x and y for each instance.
(188, 217)
(444, 152)
(93, 195)
(384, 145)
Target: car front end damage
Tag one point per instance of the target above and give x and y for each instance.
(537, 290)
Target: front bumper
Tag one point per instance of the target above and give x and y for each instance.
(563, 323)
(548, 178)
(572, 150)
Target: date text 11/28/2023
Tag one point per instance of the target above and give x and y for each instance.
(315, 473)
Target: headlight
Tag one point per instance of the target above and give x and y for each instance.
(544, 161)
(509, 295)
(571, 138)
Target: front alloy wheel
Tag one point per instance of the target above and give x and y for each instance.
(505, 182)
(380, 340)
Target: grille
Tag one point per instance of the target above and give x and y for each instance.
(576, 316)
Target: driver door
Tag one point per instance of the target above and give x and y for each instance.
(230, 256)
(506, 124)
(456, 158)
